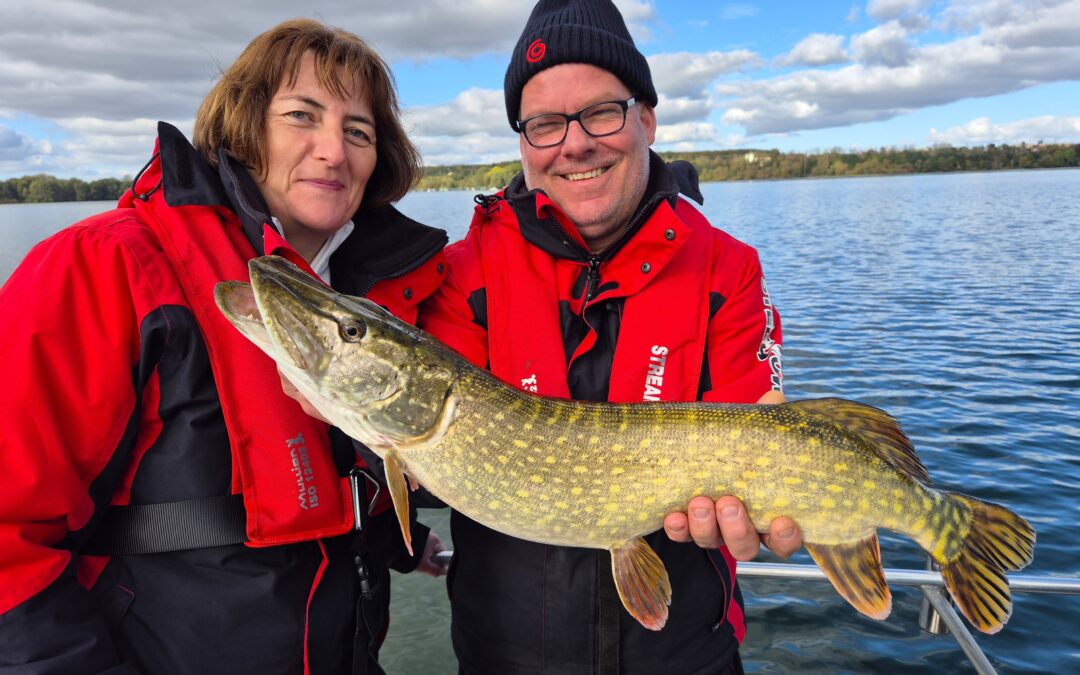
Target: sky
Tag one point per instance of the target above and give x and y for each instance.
(83, 82)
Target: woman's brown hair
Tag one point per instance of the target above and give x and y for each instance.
(233, 114)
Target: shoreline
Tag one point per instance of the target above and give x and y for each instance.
(491, 188)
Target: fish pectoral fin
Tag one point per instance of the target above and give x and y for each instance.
(642, 582)
(854, 568)
(399, 493)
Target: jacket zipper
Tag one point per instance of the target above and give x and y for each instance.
(593, 280)
(595, 259)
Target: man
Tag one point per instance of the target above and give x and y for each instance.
(589, 278)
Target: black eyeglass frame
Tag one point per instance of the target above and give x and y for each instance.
(576, 117)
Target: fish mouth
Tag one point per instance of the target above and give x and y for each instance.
(298, 322)
(292, 306)
(279, 311)
(236, 300)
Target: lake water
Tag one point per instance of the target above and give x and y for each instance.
(948, 300)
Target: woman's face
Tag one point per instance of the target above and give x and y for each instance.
(320, 155)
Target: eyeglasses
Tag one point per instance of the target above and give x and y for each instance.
(597, 120)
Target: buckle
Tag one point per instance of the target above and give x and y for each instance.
(359, 514)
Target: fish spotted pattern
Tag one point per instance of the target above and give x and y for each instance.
(602, 475)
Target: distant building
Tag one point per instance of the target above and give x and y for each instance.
(750, 157)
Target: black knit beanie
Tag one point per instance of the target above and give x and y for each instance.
(575, 31)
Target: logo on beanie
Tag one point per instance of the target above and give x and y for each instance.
(536, 51)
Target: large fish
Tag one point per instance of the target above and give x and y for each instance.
(602, 475)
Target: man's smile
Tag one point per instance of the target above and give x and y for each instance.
(584, 174)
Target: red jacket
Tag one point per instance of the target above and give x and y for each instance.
(118, 366)
(676, 310)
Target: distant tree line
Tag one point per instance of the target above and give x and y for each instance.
(43, 188)
(772, 164)
(722, 165)
(712, 165)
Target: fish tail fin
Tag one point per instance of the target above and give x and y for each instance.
(997, 541)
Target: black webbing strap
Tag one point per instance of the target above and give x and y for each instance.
(173, 526)
(607, 630)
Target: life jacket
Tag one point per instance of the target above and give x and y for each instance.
(662, 331)
(629, 324)
(282, 465)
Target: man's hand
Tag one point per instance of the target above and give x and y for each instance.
(294, 393)
(711, 525)
(428, 565)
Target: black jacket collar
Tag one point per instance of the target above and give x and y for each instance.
(385, 243)
(666, 181)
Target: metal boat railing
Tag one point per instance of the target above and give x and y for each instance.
(938, 615)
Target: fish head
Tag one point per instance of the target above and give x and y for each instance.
(369, 373)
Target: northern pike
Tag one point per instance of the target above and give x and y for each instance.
(602, 475)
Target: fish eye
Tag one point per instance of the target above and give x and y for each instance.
(352, 331)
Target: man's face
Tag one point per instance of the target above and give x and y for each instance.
(597, 182)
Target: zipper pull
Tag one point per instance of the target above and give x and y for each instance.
(488, 202)
(594, 278)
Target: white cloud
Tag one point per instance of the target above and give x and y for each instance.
(1033, 48)
(738, 11)
(122, 146)
(1054, 26)
(115, 59)
(638, 14)
(473, 110)
(817, 49)
(982, 130)
(886, 10)
(101, 70)
(17, 148)
(973, 15)
(688, 74)
(886, 45)
(475, 148)
(472, 128)
(682, 109)
(91, 75)
(686, 132)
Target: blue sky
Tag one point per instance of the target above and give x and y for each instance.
(82, 82)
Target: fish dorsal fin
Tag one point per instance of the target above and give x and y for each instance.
(855, 571)
(399, 493)
(877, 427)
(642, 582)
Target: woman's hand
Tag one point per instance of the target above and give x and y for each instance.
(428, 564)
(294, 393)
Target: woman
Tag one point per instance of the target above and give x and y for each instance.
(167, 508)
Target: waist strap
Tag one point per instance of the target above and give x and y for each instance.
(172, 526)
(197, 523)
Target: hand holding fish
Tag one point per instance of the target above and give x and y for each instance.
(430, 564)
(725, 522)
(292, 392)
